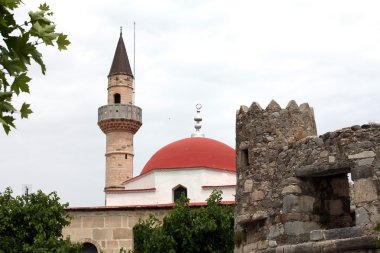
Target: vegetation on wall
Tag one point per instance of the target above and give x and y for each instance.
(188, 230)
(33, 223)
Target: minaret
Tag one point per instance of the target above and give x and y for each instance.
(120, 119)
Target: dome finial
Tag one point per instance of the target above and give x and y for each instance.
(121, 31)
(198, 119)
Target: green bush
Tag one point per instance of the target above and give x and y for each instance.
(33, 223)
(188, 230)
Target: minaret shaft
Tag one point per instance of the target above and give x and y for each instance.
(119, 120)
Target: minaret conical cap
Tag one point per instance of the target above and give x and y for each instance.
(120, 64)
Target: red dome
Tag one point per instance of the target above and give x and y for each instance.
(193, 152)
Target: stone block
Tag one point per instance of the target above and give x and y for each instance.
(323, 154)
(112, 221)
(76, 222)
(130, 221)
(331, 159)
(77, 234)
(248, 185)
(291, 189)
(122, 233)
(93, 222)
(366, 161)
(290, 203)
(361, 155)
(294, 228)
(361, 172)
(112, 245)
(292, 216)
(361, 216)
(262, 244)
(257, 195)
(316, 235)
(102, 234)
(364, 190)
(243, 145)
(242, 219)
(275, 230)
(294, 203)
(250, 247)
(298, 227)
(127, 244)
(272, 244)
(341, 233)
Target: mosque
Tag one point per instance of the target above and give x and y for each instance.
(192, 166)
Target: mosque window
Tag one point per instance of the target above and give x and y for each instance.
(89, 248)
(126, 156)
(117, 98)
(178, 191)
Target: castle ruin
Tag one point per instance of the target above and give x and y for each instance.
(297, 192)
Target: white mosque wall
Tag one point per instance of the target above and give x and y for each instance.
(141, 182)
(156, 187)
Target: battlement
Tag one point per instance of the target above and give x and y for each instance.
(276, 125)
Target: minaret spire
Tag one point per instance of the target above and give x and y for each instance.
(120, 64)
(198, 120)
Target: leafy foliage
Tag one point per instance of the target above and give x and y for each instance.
(21, 40)
(185, 229)
(377, 228)
(33, 223)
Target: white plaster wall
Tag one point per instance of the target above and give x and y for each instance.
(165, 180)
(143, 182)
(131, 199)
(218, 177)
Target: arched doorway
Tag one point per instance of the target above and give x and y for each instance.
(89, 248)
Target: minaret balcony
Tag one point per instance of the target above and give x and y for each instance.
(119, 117)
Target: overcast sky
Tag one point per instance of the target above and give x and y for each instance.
(221, 54)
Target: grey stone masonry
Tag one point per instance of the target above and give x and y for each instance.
(299, 192)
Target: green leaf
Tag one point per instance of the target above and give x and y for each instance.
(62, 41)
(5, 95)
(7, 122)
(39, 16)
(6, 107)
(21, 84)
(14, 66)
(44, 31)
(11, 4)
(7, 129)
(25, 110)
(44, 7)
(20, 47)
(37, 57)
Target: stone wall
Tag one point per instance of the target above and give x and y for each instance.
(293, 187)
(108, 229)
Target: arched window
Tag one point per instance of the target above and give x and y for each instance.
(116, 98)
(178, 191)
(89, 248)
